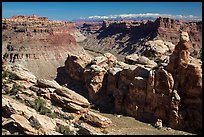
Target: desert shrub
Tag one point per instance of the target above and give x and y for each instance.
(34, 123)
(9, 74)
(5, 74)
(12, 75)
(70, 117)
(65, 130)
(78, 123)
(16, 88)
(52, 115)
(39, 105)
(13, 91)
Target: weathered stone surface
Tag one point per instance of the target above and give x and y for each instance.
(96, 119)
(86, 129)
(45, 122)
(13, 107)
(158, 47)
(23, 124)
(22, 113)
(111, 57)
(114, 70)
(164, 82)
(22, 73)
(99, 60)
(72, 96)
(93, 79)
(47, 83)
(68, 103)
(75, 65)
(135, 59)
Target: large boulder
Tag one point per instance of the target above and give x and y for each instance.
(47, 83)
(136, 59)
(23, 124)
(96, 119)
(158, 47)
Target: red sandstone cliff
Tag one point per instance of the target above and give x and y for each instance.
(38, 43)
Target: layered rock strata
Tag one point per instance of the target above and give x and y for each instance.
(146, 90)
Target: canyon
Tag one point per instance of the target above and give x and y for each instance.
(39, 44)
(127, 68)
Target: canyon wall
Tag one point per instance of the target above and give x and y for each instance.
(146, 90)
(127, 37)
(38, 43)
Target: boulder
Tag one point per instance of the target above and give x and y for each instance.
(23, 124)
(96, 119)
(47, 83)
(157, 47)
(135, 59)
(86, 129)
(73, 96)
(158, 124)
(68, 103)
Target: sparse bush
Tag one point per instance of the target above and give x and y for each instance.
(16, 133)
(52, 115)
(34, 123)
(12, 75)
(15, 88)
(78, 123)
(71, 117)
(65, 130)
(39, 105)
(5, 74)
(13, 91)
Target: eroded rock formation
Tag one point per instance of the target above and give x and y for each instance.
(33, 106)
(149, 91)
(127, 37)
(38, 43)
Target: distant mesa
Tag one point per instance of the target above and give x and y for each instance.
(33, 17)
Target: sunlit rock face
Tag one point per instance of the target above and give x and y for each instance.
(38, 43)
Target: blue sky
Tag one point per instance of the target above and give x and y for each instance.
(76, 10)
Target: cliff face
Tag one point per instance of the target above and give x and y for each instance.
(38, 43)
(127, 37)
(145, 90)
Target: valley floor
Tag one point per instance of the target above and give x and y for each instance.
(124, 125)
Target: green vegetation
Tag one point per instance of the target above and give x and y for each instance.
(78, 123)
(15, 89)
(39, 105)
(71, 117)
(65, 130)
(9, 74)
(5, 74)
(34, 123)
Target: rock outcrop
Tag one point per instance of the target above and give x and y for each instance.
(143, 37)
(43, 107)
(149, 91)
(188, 82)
